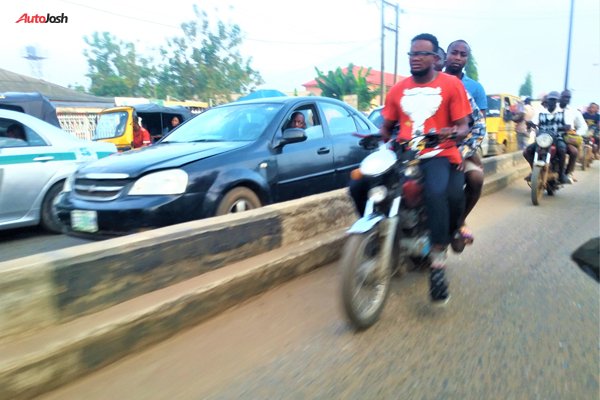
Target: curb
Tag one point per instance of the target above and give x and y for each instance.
(60, 354)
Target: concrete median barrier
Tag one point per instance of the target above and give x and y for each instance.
(66, 313)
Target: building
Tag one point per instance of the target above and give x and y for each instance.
(373, 80)
(76, 111)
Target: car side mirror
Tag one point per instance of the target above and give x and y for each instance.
(290, 135)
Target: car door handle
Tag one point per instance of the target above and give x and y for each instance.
(44, 158)
(323, 150)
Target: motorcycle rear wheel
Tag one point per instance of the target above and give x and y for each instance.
(537, 185)
(365, 285)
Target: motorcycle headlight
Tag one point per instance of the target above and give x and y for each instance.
(377, 194)
(378, 162)
(411, 171)
(544, 140)
(173, 181)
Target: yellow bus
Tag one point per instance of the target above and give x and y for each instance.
(500, 127)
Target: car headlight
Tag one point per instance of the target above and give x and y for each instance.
(544, 140)
(68, 185)
(377, 194)
(172, 181)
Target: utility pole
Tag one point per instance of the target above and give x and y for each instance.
(569, 46)
(395, 30)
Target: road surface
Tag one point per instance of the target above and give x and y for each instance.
(522, 323)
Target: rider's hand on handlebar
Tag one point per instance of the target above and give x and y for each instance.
(447, 133)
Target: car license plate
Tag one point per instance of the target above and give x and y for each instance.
(84, 221)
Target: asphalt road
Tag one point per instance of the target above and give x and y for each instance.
(16, 243)
(523, 323)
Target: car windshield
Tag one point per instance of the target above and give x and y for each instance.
(111, 125)
(493, 109)
(232, 123)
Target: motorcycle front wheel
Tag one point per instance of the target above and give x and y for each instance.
(365, 283)
(537, 185)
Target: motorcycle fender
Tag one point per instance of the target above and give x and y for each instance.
(542, 162)
(366, 223)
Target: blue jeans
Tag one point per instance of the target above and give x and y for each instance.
(444, 198)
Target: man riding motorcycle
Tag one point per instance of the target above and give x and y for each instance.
(552, 121)
(425, 101)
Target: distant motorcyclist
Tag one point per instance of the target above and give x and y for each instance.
(578, 129)
(552, 121)
(592, 119)
(430, 100)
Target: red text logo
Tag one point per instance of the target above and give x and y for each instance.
(43, 19)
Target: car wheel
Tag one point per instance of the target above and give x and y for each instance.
(49, 218)
(238, 200)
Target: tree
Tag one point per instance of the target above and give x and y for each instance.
(471, 68)
(116, 69)
(336, 84)
(205, 63)
(526, 88)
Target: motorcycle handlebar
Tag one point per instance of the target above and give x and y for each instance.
(432, 138)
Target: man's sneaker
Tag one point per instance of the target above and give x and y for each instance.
(438, 287)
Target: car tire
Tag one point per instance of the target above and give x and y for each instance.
(237, 200)
(49, 219)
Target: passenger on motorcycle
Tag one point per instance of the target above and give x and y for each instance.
(574, 119)
(551, 120)
(458, 57)
(430, 100)
(592, 119)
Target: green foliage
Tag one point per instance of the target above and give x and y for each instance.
(526, 88)
(116, 69)
(336, 84)
(471, 68)
(203, 63)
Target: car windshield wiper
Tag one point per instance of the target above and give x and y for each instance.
(205, 140)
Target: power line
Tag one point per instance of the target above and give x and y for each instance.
(247, 38)
(121, 15)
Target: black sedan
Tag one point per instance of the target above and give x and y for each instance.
(231, 158)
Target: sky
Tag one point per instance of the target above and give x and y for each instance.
(286, 40)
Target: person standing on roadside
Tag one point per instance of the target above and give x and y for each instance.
(529, 113)
(457, 59)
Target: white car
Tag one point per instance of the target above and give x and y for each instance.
(35, 160)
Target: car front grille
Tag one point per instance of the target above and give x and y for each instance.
(99, 189)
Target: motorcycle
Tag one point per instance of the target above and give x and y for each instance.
(545, 173)
(391, 232)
